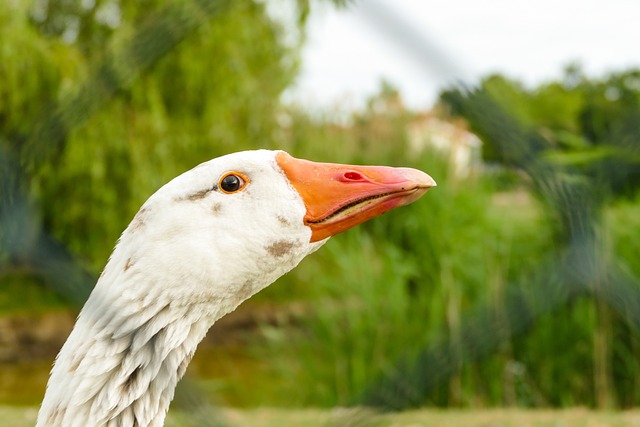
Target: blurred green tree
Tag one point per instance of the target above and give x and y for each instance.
(588, 126)
(103, 109)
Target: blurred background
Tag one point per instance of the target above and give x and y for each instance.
(509, 295)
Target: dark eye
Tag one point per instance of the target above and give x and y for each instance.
(232, 182)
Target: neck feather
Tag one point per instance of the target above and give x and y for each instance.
(155, 301)
(120, 368)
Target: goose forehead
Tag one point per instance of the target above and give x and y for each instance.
(205, 176)
(258, 160)
(251, 163)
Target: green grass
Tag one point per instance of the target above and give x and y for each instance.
(270, 417)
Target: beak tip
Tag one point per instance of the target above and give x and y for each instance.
(422, 179)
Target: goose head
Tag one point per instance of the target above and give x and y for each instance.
(232, 225)
(198, 247)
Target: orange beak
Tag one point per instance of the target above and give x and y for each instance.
(338, 197)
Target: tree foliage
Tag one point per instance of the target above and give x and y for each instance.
(586, 126)
(217, 91)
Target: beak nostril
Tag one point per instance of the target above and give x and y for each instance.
(353, 176)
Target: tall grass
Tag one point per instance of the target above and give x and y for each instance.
(383, 291)
(415, 280)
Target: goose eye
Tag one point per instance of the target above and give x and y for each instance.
(232, 182)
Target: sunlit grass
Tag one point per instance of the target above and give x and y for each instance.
(270, 417)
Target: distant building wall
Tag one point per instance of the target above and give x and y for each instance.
(451, 138)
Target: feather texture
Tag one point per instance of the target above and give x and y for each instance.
(183, 262)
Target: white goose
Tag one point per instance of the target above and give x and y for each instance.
(201, 245)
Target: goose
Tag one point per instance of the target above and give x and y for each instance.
(202, 244)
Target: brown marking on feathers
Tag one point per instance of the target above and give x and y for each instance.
(245, 291)
(129, 383)
(216, 208)
(283, 220)
(193, 197)
(128, 264)
(280, 248)
(139, 219)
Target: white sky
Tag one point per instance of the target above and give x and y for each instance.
(349, 51)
